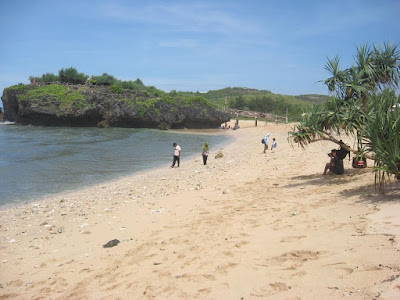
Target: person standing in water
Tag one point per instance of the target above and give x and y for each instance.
(177, 155)
(205, 153)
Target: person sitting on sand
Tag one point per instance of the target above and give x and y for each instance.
(335, 166)
(205, 153)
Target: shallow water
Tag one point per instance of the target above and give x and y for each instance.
(37, 161)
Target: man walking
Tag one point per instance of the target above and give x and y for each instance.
(177, 154)
(266, 141)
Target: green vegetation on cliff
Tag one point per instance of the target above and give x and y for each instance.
(56, 94)
(239, 98)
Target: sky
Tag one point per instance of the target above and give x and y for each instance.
(281, 46)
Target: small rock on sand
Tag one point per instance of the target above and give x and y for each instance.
(111, 243)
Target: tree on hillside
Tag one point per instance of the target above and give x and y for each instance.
(364, 104)
(238, 102)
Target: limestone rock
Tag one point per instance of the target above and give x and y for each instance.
(79, 105)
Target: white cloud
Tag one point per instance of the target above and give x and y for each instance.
(188, 17)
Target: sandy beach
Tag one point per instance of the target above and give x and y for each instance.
(248, 225)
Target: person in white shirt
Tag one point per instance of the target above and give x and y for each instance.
(266, 140)
(177, 155)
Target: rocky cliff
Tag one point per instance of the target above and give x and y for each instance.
(80, 105)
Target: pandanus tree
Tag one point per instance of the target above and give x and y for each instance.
(363, 104)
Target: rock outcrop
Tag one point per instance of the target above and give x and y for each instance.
(79, 105)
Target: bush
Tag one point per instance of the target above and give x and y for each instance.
(104, 79)
(133, 85)
(71, 75)
(116, 89)
(47, 78)
(197, 101)
(154, 91)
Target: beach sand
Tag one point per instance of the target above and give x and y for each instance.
(248, 225)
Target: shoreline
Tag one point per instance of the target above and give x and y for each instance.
(245, 225)
(214, 132)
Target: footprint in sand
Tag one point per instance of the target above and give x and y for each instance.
(280, 286)
(299, 274)
(297, 258)
(209, 277)
(228, 253)
(203, 292)
(288, 239)
(271, 289)
(223, 268)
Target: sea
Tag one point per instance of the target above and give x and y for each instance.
(39, 161)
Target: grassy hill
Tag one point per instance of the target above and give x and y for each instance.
(262, 100)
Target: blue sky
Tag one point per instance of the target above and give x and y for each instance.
(280, 46)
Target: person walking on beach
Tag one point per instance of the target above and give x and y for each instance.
(265, 142)
(273, 145)
(177, 155)
(205, 153)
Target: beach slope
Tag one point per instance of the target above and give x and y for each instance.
(248, 225)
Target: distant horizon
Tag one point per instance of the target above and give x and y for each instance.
(193, 45)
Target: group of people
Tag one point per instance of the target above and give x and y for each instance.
(265, 141)
(177, 154)
(205, 150)
(335, 165)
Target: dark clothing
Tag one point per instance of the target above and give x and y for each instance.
(176, 159)
(342, 153)
(205, 159)
(337, 167)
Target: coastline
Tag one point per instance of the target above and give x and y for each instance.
(248, 225)
(11, 194)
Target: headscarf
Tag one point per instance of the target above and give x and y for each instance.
(205, 148)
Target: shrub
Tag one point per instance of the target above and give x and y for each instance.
(197, 101)
(153, 90)
(104, 79)
(132, 85)
(47, 78)
(71, 75)
(116, 89)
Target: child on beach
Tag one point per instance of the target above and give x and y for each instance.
(205, 153)
(273, 145)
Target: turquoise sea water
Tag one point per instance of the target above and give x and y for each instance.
(38, 161)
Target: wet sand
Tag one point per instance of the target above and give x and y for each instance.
(248, 225)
